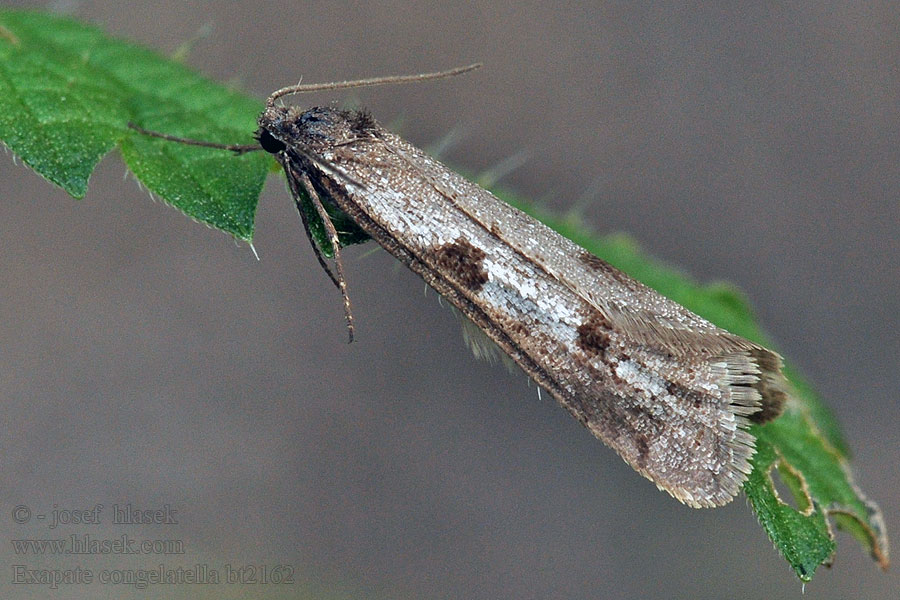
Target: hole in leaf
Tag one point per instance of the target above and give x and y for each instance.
(790, 488)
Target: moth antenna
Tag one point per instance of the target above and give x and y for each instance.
(236, 148)
(335, 246)
(301, 88)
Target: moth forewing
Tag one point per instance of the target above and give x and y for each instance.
(672, 393)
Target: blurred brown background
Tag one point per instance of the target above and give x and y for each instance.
(149, 360)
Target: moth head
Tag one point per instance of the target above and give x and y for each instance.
(276, 128)
(317, 128)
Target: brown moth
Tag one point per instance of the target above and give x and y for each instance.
(672, 393)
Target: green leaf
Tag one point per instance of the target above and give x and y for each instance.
(68, 92)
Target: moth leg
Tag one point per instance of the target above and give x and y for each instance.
(293, 179)
(340, 280)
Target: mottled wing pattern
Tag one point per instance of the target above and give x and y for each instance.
(669, 391)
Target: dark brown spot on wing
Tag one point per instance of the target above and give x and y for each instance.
(519, 329)
(462, 262)
(593, 261)
(600, 265)
(633, 427)
(695, 399)
(772, 393)
(593, 334)
(643, 448)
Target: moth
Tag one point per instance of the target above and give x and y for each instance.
(672, 393)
